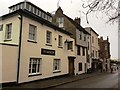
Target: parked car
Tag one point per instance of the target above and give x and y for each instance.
(114, 67)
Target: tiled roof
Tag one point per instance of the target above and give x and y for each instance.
(92, 30)
(76, 24)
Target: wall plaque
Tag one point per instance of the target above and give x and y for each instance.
(47, 52)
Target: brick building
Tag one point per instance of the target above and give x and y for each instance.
(104, 53)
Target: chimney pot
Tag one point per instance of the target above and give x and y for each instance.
(78, 20)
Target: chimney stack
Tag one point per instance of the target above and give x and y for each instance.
(77, 20)
(101, 37)
(107, 38)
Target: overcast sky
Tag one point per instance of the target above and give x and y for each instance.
(73, 8)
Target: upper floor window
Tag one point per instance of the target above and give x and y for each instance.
(105, 47)
(60, 21)
(96, 53)
(27, 6)
(84, 37)
(1, 27)
(32, 32)
(8, 31)
(78, 50)
(43, 15)
(32, 8)
(92, 39)
(93, 53)
(35, 10)
(70, 45)
(40, 13)
(83, 51)
(34, 66)
(49, 37)
(88, 46)
(60, 41)
(80, 35)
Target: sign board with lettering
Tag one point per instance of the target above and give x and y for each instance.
(47, 52)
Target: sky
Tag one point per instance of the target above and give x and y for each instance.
(73, 8)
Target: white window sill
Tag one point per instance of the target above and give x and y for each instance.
(60, 46)
(7, 40)
(70, 50)
(56, 71)
(33, 41)
(34, 74)
(48, 44)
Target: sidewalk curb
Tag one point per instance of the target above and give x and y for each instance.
(69, 81)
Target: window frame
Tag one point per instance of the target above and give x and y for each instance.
(36, 62)
(78, 50)
(1, 27)
(49, 39)
(60, 21)
(85, 37)
(60, 44)
(80, 35)
(32, 36)
(92, 39)
(70, 45)
(8, 31)
(83, 51)
(58, 67)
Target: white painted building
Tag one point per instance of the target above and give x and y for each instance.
(32, 47)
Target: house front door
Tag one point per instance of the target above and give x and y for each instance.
(71, 65)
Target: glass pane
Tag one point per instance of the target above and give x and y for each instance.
(34, 66)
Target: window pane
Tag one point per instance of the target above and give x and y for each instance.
(60, 40)
(27, 6)
(70, 45)
(48, 37)
(30, 63)
(56, 64)
(34, 65)
(38, 66)
(78, 50)
(8, 31)
(32, 32)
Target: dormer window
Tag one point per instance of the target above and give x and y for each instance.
(35, 10)
(60, 22)
(31, 8)
(27, 6)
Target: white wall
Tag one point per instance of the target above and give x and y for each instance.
(30, 49)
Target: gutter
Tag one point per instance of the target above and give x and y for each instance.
(19, 50)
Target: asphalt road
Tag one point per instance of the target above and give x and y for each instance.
(107, 80)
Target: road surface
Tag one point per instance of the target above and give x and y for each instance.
(107, 80)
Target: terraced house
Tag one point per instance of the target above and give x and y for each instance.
(93, 51)
(80, 35)
(32, 47)
(104, 53)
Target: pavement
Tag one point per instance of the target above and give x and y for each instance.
(52, 82)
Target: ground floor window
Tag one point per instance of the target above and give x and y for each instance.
(79, 66)
(34, 66)
(56, 65)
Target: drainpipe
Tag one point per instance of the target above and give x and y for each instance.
(19, 49)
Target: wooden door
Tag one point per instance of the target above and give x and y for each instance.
(71, 67)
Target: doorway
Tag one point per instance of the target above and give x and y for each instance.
(71, 65)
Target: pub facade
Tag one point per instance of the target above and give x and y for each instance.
(32, 47)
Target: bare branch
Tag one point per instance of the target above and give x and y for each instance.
(109, 7)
